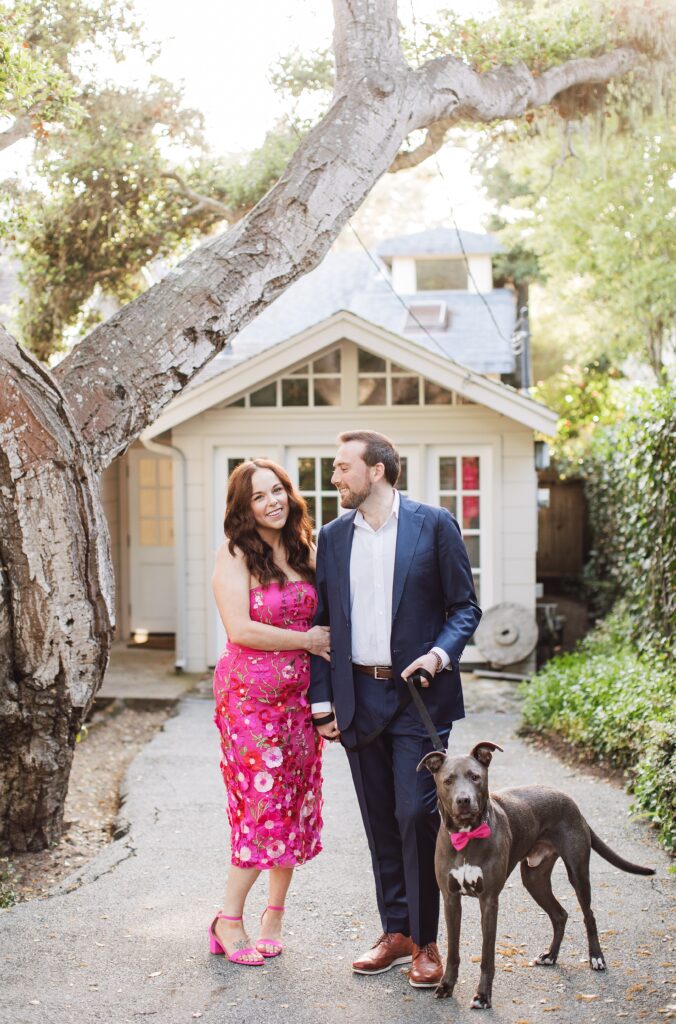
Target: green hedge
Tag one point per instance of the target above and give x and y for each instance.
(630, 492)
(619, 706)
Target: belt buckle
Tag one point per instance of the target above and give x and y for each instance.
(376, 668)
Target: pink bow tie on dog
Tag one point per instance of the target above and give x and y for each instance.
(461, 839)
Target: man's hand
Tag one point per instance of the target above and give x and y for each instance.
(330, 732)
(430, 662)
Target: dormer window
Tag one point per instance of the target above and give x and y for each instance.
(428, 316)
(441, 275)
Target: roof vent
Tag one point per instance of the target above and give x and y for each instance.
(428, 316)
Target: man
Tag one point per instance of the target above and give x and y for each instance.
(395, 586)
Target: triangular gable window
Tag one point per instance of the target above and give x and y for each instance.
(313, 385)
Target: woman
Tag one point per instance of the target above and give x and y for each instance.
(271, 754)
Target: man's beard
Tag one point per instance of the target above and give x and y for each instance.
(353, 499)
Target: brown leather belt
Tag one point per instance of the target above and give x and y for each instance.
(376, 671)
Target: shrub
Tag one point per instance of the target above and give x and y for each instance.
(618, 705)
(630, 488)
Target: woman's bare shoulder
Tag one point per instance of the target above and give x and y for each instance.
(226, 557)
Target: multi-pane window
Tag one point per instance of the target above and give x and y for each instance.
(383, 382)
(314, 483)
(459, 486)
(155, 502)
(315, 385)
(441, 275)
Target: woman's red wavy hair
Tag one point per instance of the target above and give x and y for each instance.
(240, 526)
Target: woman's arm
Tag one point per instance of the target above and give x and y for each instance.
(230, 583)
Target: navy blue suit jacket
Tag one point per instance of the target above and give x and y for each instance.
(433, 605)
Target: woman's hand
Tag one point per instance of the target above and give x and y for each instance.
(318, 641)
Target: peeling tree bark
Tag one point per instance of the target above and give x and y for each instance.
(57, 431)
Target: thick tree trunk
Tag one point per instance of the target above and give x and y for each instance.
(58, 431)
(56, 600)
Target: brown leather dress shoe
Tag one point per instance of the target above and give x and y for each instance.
(392, 948)
(426, 969)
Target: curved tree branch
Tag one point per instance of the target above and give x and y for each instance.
(435, 136)
(201, 202)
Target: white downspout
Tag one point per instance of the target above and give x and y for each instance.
(181, 578)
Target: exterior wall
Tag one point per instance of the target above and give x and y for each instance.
(420, 432)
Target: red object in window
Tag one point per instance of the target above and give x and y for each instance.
(470, 473)
(470, 512)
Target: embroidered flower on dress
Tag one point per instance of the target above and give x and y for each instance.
(308, 805)
(275, 849)
(263, 782)
(272, 757)
(244, 853)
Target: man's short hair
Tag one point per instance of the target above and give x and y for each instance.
(377, 448)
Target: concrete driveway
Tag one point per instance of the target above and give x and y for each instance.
(126, 940)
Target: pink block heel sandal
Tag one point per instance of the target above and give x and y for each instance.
(217, 949)
(277, 946)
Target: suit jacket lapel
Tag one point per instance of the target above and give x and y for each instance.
(408, 532)
(343, 546)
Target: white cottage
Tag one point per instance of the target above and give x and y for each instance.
(413, 343)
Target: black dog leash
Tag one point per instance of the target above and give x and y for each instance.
(411, 694)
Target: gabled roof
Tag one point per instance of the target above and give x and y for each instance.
(246, 374)
(438, 242)
(351, 281)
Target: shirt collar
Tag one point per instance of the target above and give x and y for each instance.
(394, 513)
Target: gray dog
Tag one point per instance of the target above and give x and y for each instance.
(482, 838)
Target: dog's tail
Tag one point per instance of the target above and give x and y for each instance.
(614, 858)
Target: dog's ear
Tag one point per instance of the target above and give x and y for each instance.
(483, 752)
(432, 761)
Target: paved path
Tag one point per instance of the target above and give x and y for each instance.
(126, 940)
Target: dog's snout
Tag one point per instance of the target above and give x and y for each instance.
(462, 800)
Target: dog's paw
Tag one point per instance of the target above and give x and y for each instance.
(444, 990)
(597, 963)
(545, 960)
(480, 1002)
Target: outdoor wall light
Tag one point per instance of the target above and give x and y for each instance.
(541, 455)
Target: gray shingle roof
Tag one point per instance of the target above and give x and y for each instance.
(438, 241)
(350, 281)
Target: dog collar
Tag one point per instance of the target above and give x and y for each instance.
(461, 839)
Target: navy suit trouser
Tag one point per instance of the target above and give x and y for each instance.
(398, 807)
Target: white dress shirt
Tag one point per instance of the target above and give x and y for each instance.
(371, 583)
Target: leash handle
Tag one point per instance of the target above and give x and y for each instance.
(412, 682)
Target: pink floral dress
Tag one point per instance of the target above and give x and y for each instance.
(270, 751)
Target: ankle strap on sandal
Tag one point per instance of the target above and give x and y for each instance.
(226, 917)
(270, 907)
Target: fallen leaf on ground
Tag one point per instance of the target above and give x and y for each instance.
(586, 997)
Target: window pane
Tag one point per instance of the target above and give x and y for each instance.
(471, 519)
(165, 468)
(436, 395)
(372, 391)
(477, 586)
(405, 391)
(402, 482)
(306, 474)
(166, 538)
(327, 473)
(147, 472)
(311, 509)
(448, 473)
(448, 501)
(441, 275)
(395, 368)
(470, 473)
(295, 392)
(147, 501)
(330, 363)
(329, 510)
(327, 391)
(238, 402)
(165, 502)
(302, 371)
(266, 396)
(472, 545)
(368, 363)
(148, 532)
(233, 463)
